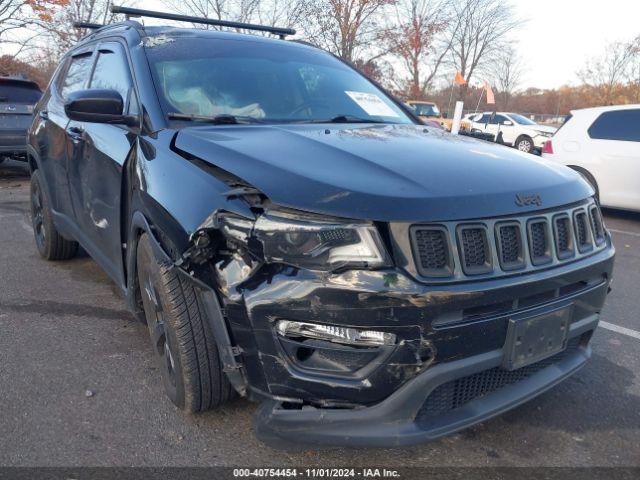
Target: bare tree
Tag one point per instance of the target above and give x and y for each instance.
(633, 71)
(605, 73)
(415, 41)
(16, 14)
(506, 71)
(482, 33)
(348, 27)
(235, 10)
(61, 34)
(283, 13)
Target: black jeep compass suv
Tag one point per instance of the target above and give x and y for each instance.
(290, 232)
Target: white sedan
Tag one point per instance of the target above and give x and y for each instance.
(603, 144)
(512, 129)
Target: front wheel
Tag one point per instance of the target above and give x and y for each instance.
(181, 336)
(51, 245)
(524, 144)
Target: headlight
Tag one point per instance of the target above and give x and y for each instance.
(545, 134)
(309, 241)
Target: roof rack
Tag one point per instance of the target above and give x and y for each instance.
(136, 12)
(89, 25)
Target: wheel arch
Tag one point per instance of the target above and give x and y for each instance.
(139, 224)
(590, 178)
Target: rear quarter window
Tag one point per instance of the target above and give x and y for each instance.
(623, 125)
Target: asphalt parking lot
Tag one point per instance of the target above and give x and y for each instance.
(64, 331)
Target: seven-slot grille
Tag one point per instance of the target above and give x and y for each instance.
(455, 250)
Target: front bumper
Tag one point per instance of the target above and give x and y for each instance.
(408, 417)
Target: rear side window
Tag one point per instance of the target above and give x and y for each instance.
(112, 71)
(77, 74)
(621, 125)
(19, 92)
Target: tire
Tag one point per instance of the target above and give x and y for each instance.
(51, 245)
(524, 143)
(180, 335)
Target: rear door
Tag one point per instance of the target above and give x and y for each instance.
(51, 131)
(615, 139)
(17, 99)
(100, 152)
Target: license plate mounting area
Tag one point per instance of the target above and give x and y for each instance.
(534, 338)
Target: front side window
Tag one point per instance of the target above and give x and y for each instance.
(77, 74)
(112, 71)
(268, 82)
(623, 125)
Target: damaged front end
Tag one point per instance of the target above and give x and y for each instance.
(298, 294)
(345, 346)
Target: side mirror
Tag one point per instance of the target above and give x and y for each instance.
(97, 106)
(508, 123)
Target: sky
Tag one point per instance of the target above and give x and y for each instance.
(557, 38)
(560, 35)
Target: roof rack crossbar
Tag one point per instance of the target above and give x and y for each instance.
(89, 25)
(136, 12)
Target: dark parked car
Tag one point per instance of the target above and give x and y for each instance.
(17, 98)
(290, 232)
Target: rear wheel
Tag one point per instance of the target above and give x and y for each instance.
(524, 144)
(51, 245)
(180, 335)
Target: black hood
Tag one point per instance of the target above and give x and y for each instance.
(383, 172)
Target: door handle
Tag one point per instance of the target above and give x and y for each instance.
(76, 134)
(43, 114)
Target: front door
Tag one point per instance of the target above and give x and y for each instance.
(100, 152)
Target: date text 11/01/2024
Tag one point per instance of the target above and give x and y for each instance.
(317, 472)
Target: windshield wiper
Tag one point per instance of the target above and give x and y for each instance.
(222, 119)
(344, 119)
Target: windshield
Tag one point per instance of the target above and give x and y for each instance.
(19, 92)
(273, 83)
(521, 120)
(426, 110)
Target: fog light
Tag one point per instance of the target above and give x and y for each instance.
(347, 336)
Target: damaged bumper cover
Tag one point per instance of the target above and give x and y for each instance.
(408, 416)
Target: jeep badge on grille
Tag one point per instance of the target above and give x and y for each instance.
(526, 200)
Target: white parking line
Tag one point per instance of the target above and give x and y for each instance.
(633, 234)
(618, 329)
